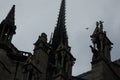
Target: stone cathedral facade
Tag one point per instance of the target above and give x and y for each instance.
(53, 60)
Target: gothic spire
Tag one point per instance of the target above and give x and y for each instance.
(60, 34)
(61, 18)
(7, 26)
(11, 15)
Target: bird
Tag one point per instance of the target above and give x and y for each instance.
(87, 28)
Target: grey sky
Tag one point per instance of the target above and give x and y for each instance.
(36, 16)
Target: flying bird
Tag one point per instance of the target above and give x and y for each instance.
(87, 28)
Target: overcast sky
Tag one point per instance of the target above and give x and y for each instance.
(36, 16)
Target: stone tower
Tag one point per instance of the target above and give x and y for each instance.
(7, 29)
(101, 61)
(101, 43)
(61, 59)
(40, 55)
(11, 59)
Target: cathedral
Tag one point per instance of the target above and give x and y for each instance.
(53, 60)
